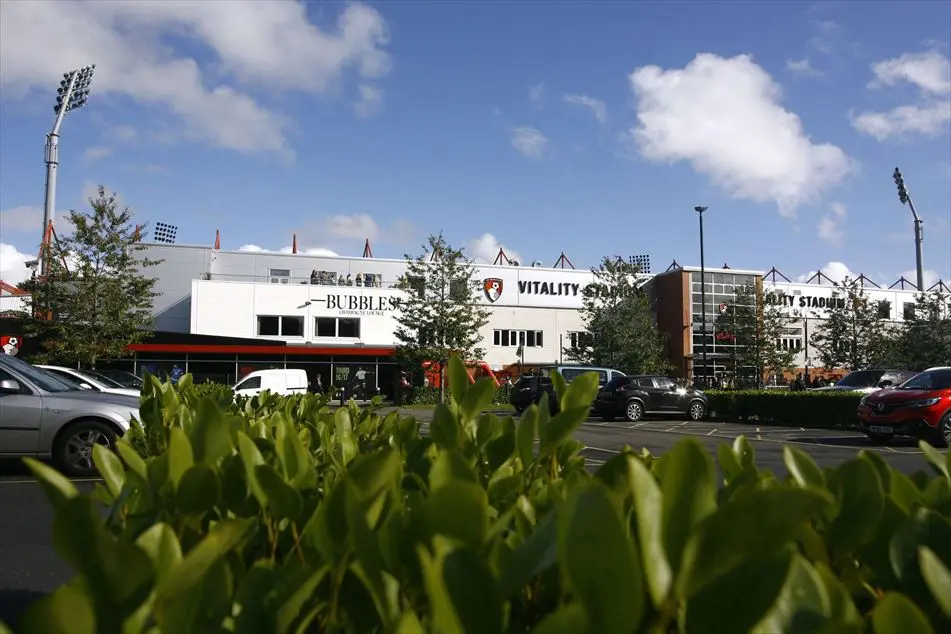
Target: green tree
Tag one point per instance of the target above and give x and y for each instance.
(755, 324)
(96, 299)
(924, 339)
(620, 329)
(441, 313)
(854, 335)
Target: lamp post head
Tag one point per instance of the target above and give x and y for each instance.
(699, 209)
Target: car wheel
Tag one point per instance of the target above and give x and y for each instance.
(696, 410)
(72, 453)
(633, 411)
(944, 430)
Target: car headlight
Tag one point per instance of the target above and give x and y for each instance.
(863, 399)
(926, 402)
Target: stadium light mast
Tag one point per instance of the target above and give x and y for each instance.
(905, 199)
(72, 93)
(703, 299)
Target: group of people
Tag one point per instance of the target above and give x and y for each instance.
(801, 382)
(330, 278)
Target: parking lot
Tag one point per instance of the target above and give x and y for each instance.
(29, 567)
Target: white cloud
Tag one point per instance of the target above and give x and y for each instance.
(724, 117)
(485, 249)
(96, 153)
(265, 44)
(930, 73)
(903, 121)
(22, 219)
(835, 271)
(803, 67)
(316, 251)
(13, 264)
(829, 231)
(838, 209)
(930, 277)
(352, 227)
(529, 142)
(598, 107)
(536, 94)
(371, 101)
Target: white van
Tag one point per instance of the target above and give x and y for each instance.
(285, 382)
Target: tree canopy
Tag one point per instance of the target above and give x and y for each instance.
(96, 299)
(755, 326)
(853, 336)
(620, 329)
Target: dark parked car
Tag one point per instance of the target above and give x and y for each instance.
(868, 381)
(631, 397)
(528, 391)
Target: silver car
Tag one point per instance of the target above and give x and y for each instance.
(45, 417)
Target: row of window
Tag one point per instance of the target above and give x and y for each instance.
(514, 338)
(293, 326)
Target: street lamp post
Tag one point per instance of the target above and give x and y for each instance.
(703, 296)
(72, 93)
(905, 199)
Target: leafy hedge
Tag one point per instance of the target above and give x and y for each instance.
(430, 395)
(785, 407)
(278, 515)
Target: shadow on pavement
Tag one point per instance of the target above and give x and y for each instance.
(13, 468)
(13, 603)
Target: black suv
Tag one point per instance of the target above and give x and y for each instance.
(528, 391)
(633, 396)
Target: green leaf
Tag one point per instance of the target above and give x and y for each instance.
(372, 473)
(283, 500)
(459, 510)
(744, 452)
(132, 459)
(756, 524)
(861, 503)
(937, 576)
(648, 513)
(597, 555)
(445, 430)
(56, 486)
(290, 610)
(567, 619)
(802, 468)
(559, 384)
(297, 463)
(841, 606)
(478, 397)
(473, 590)
(161, 545)
(897, 614)
(251, 457)
(938, 462)
(110, 468)
(217, 543)
(345, 439)
(180, 456)
(450, 466)
(537, 554)
(802, 605)
(210, 434)
(525, 436)
(562, 426)
(444, 617)
(408, 624)
(199, 489)
(580, 393)
(689, 495)
(458, 379)
(66, 611)
(739, 599)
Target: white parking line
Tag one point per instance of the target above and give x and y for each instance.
(34, 481)
(712, 432)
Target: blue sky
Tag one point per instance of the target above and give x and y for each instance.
(588, 128)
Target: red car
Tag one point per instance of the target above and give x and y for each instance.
(920, 408)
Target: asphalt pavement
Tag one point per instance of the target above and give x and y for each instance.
(30, 568)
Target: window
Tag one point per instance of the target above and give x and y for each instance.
(908, 310)
(579, 339)
(884, 309)
(254, 383)
(663, 383)
(790, 343)
(280, 326)
(416, 284)
(459, 288)
(645, 381)
(348, 328)
(280, 276)
(515, 338)
(333, 327)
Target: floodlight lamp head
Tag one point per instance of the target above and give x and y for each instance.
(699, 209)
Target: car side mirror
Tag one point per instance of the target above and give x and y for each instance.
(85, 386)
(9, 386)
(885, 384)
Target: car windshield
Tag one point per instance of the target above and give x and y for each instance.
(46, 381)
(100, 378)
(861, 378)
(931, 380)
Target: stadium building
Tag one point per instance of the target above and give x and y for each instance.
(221, 314)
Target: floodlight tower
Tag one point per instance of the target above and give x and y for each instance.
(905, 199)
(72, 93)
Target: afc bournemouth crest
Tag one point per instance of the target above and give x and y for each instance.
(492, 287)
(10, 344)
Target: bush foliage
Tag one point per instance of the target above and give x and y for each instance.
(785, 407)
(279, 515)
